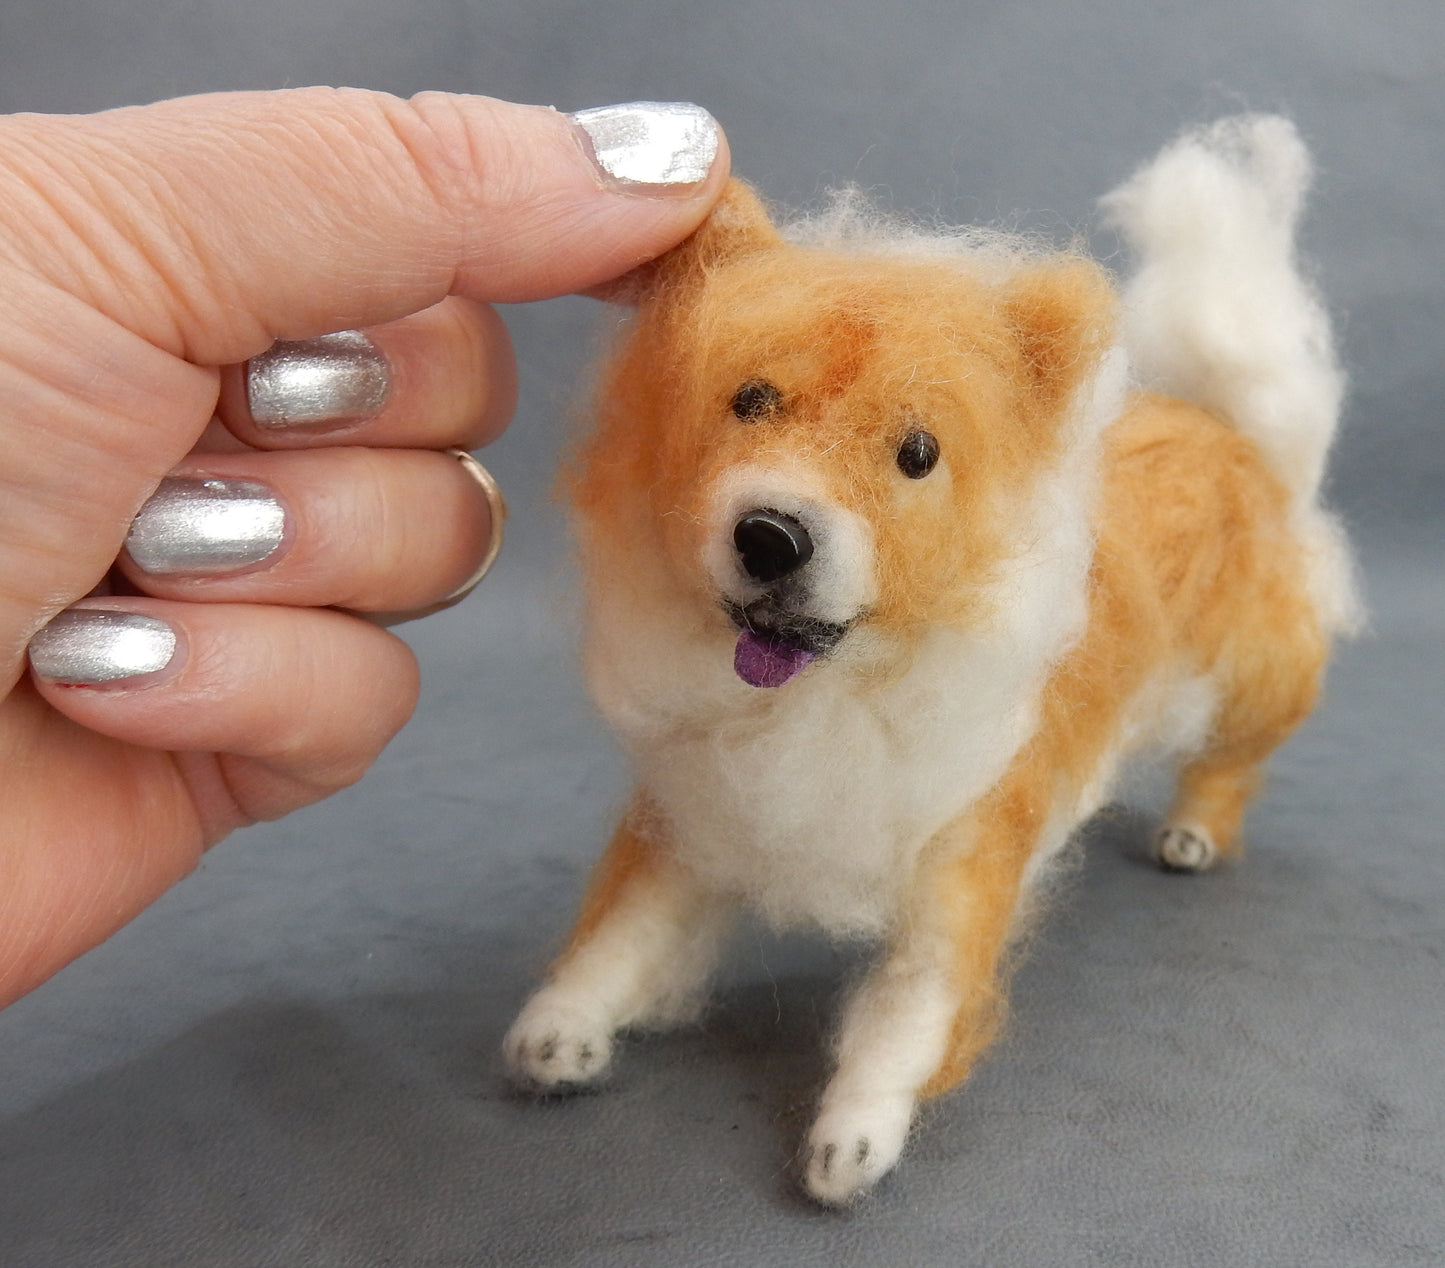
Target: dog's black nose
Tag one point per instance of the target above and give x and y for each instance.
(771, 545)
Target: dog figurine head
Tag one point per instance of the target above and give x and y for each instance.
(814, 444)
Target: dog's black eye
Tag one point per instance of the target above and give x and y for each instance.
(918, 454)
(756, 399)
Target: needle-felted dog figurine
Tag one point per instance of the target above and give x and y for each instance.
(890, 565)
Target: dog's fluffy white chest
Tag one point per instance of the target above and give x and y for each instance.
(816, 808)
(813, 800)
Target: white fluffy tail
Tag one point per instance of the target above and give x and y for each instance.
(1218, 312)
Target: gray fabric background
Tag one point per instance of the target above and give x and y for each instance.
(292, 1058)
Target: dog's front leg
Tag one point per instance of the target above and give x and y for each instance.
(640, 956)
(895, 1033)
(919, 1021)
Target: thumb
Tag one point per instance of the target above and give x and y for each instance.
(212, 225)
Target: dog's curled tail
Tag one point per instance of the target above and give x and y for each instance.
(1219, 313)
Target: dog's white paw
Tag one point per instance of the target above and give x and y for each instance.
(554, 1045)
(1186, 849)
(853, 1145)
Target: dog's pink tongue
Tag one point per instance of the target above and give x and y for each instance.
(765, 662)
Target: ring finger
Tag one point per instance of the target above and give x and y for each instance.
(371, 530)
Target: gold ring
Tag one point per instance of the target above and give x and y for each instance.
(497, 512)
(497, 507)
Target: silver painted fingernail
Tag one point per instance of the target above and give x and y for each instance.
(657, 144)
(330, 381)
(85, 646)
(198, 527)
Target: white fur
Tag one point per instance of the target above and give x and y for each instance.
(895, 1033)
(850, 223)
(1219, 313)
(646, 965)
(816, 807)
(841, 576)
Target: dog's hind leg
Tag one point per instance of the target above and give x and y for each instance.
(640, 956)
(1214, 790)
(1263, 704)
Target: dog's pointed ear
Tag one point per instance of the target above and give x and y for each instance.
(738, 225)
(1062, 316)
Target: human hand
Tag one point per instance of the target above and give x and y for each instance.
(145, 256)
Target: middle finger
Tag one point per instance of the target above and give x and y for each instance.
(441, 377)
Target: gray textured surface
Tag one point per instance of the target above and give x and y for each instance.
(291, 1059)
